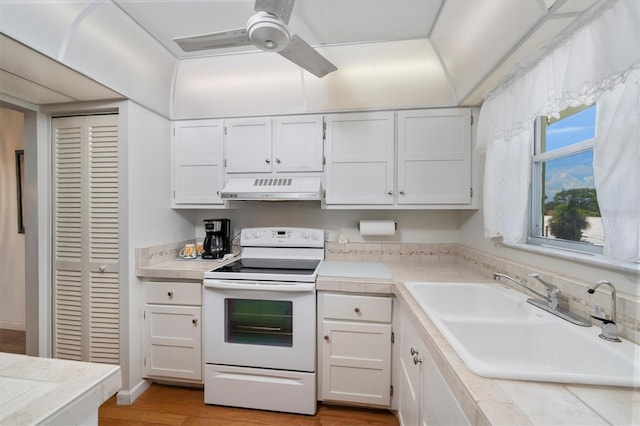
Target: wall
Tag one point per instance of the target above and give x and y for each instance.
(146, 175)
(414, 226)
(12, 244)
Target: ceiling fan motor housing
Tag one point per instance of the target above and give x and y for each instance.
(267, 32)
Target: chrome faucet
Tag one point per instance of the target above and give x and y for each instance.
(553, 292)
(550, 302)
(609, 327)
(497, 276)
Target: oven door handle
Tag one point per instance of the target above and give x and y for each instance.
(252, 285)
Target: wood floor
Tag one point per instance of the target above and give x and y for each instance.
(170, 405)
(13, 341)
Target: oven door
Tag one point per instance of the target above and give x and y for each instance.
(260, 324)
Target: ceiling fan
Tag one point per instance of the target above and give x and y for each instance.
(267, 30)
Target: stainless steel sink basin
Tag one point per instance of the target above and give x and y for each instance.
(498, 335)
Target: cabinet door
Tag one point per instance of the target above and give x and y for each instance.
(356, 362)
(172, 342)
(297, 143)
(360, 158)
(247, 145)
(198, 172)
(434, 156)
(410, 392)
(440, 406)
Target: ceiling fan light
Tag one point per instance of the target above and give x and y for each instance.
(267, 32)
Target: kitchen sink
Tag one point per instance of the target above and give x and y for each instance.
(498, 334)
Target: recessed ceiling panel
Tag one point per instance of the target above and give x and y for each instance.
(472, 36)
(401, 74)
(41, 25)
(236, 85)
(317, 21)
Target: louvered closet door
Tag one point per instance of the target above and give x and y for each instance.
(86, 281)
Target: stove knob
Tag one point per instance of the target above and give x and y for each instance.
(315, 235)
(305, 235)
(246, 235)
(256, 234)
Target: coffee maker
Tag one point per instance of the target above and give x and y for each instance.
(217, 241)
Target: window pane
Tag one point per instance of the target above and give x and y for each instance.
(574, 128)
(570, 204)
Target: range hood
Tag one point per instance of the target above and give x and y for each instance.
(272, 188)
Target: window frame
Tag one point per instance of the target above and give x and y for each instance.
(538, 158)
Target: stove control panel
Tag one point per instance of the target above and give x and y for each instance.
(282, 237)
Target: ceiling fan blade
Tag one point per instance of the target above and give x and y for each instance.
(231, 38)
(281, 8)
(300, 53)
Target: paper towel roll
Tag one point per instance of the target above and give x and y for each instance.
(377, 227)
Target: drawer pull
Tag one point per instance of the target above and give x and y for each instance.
(194, 321)
(417, 360)
(326, 337)
(170, 293)
(413, 352)
(357, 310)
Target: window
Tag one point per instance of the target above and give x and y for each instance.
(564, 203)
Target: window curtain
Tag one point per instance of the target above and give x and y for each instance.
(595, 56)
(616, 164)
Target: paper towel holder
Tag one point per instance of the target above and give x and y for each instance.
(395, 224)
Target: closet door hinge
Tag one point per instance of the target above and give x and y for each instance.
(471, 192)
(471, 115)
(391, 390)
(393, 337)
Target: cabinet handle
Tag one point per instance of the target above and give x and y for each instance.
(401, 192)
(170, 293)
(102, 268)
(390, 193)
(278, 160)
(194, 321)
(357, 310)
(326, 337)
(413, 352)
(417, 360)
(267, 160)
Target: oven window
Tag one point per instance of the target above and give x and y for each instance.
(259, 322)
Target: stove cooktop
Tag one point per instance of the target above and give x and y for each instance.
(250, 266)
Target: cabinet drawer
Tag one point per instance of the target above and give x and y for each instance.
(173, 293)
(357, 308)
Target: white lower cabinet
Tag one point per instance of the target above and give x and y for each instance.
(424, 396)
(172, 341)
(355, 359)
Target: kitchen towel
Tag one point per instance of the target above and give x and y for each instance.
(377, 227)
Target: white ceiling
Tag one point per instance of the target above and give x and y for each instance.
(319, 22)
(412, 52)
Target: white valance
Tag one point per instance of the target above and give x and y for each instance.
(597, 55)
(575, 70)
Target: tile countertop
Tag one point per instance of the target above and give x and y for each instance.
(484, 400)
(53, 391)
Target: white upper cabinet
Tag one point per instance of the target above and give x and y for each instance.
(247, 145)
(281, 144)
(434, 156)
(297, 143)
(198, 172)
(360, 158)
(426, 164)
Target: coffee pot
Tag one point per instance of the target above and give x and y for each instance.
(217, 241)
